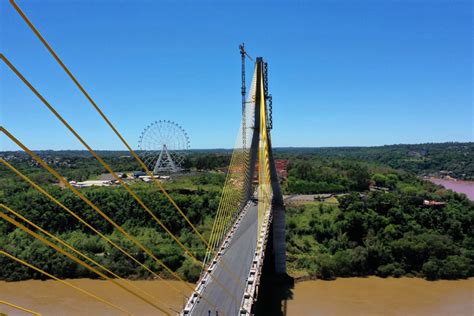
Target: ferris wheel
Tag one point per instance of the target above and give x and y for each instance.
(163, 145)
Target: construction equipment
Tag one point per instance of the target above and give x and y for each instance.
(243, 54)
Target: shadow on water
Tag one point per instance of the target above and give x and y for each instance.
(274, 293)
(275, 289)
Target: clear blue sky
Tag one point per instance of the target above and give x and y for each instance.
(341, 72)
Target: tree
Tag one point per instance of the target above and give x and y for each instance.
(360, 176)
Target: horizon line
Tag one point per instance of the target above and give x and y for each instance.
(279, 147)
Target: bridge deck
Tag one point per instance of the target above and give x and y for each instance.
(238, 258)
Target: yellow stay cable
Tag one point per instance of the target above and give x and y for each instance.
(154, 180)
(210, 248)
(62, 242)
(227, 216)
(221, 208)
(73, 78)
(239, 182)
(109, 169)
(75, 259)
(230, 198)
(20, 308)
(98, 298)
(88, 202)
(102, 162)
(261, 171)
(81, 220)
(101, 113)
(224, 203)
(227, 203)
(233, 195)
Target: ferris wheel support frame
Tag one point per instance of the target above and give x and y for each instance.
(165, 163)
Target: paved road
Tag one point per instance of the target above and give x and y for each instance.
(238, 259)
(305, 197)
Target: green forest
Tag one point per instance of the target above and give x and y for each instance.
(374, 223)
(198, 195)
(384, 233)
(453, 159)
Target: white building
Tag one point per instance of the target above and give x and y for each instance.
(91, 183)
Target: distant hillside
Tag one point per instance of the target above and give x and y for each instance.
(437, 159)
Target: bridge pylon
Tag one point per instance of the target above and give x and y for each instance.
(278, 208)
(248, 235)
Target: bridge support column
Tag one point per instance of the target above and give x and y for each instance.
(279, 245)
(278, 223)
(278, 208)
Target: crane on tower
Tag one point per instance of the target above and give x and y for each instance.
(243, 54)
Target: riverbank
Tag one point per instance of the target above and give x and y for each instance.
(343, 296)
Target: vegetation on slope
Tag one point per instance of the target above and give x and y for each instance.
(431, 159)
(198, 196)
(323, 175)
(386, 233)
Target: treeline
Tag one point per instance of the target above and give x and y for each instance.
(78, 166)
(385, 233)
(199, 201)
(81, 165)
(196, 194)
(454, 159)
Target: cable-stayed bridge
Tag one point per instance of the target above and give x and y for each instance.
(251, 212)
(248, 232)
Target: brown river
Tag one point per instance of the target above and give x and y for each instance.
(460, 186)
(344, 296)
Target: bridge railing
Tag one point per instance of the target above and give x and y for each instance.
(204, 280)
(253, 279)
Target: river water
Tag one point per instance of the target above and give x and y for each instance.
(377, 296)
(344, 296)
(466, 187)
(53, 298)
